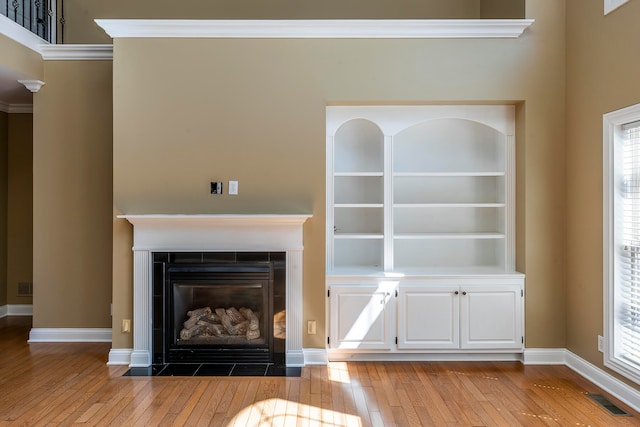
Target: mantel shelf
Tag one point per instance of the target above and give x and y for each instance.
(317, 29)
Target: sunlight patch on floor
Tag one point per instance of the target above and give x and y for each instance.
(339, 372)
(281, 412)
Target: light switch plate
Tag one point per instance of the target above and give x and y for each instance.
(233, 187)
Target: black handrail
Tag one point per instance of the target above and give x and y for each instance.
(36, 16)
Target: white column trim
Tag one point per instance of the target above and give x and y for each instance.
(142, 333)
(294, 356)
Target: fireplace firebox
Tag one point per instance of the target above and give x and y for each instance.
(220, 307)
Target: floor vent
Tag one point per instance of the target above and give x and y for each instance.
(608, 405)
(25, 289)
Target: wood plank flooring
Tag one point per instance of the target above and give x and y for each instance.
(51, 384)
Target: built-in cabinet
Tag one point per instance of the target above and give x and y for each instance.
(422, 193)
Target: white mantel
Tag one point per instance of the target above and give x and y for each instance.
(214, 233)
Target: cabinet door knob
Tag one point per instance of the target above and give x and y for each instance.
(456, 292)
(464, 293)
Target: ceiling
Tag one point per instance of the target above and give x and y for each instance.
(13, 93)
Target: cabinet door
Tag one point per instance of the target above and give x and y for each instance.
(361, 317)
(491, 317)
(428, 317)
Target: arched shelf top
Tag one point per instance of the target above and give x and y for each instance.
(361, 125)
(359, 147)
(453, 127)
(393, 119)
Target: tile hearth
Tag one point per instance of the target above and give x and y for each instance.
(215, 370)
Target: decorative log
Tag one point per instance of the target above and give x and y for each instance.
(254, 322)
(201, 312)
(215, 329)
(211, 319)
(221, 322)
(235, 315)
(195, 315)
(187, 334)
(252, 335)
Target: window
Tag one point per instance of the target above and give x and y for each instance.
(622, 241)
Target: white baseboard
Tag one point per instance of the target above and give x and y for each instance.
(16, 310)
(315, 356)
(70, 335)
(545, 356)
(604, 380)
(120, 356)
(346, 356)
(616, 388)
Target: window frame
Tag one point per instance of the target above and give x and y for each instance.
(613, 137)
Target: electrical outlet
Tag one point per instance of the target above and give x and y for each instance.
(311, 327)
(126, 325)
(600, 343)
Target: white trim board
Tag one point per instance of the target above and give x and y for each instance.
(77, 52)
(611, 5)
(323, 29)
(18, 33)
(16, 310)
(69, 335)
(120, 356)
(601, 378)
(16, 108)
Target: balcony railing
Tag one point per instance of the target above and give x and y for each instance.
(36, 16)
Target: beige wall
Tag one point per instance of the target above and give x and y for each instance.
(20, 59)
(602, 76)
(72, 200)
(4, 143)
(187, 112)
(502, 9)
(80, 28)
(20, 206)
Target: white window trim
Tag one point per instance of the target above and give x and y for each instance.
(611, 5)
(612, 136)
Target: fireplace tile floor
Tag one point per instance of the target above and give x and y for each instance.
(215, 370)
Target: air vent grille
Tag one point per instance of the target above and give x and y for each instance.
(25, 289)
(608, 405)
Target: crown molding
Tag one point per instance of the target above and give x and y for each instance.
(20, 34)
(16, 108)
(77, 52)
(341, 28)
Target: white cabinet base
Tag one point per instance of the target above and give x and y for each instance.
(426, 318)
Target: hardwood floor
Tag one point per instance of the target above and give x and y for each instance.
(70, 383)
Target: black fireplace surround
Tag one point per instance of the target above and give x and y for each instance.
(252, 282)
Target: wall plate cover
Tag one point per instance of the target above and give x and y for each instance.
(216, 188)
(233, 187)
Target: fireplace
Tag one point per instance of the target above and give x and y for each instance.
(219, 307)
(202, 236)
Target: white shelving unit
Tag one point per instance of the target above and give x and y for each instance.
(420, 193)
